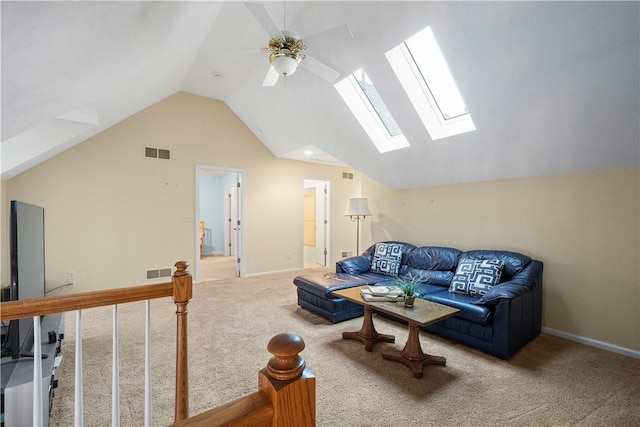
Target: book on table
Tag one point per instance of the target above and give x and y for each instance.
(377, 293)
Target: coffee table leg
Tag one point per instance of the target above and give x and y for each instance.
(367, 334)
(412, 354)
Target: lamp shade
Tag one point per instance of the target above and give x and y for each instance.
(284, 64)
(357, 207)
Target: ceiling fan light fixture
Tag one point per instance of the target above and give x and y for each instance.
(285, 62)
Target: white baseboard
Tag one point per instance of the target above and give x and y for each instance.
(268, 273)
(594, 343)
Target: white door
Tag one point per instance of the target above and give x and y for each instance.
(318, 191)
(233, 222)
(225, 228)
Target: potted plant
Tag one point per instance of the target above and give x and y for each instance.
(408, 284)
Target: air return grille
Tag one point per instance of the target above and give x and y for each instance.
(158, 273)
(157, 153)
(347, 175)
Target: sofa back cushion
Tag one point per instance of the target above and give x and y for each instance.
(434, 264)
(514, 262)
(432, 277)
(433, 258)
(354, 265)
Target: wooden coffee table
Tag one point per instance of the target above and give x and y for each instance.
(423, 313)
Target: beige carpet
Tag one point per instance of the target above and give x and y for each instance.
(551, 382)
(217, 267)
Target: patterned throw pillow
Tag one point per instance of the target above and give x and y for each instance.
(476, 277)
(387, 258)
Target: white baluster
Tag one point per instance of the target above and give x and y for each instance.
(78, 414)
(37, 373)
(148, 404)
(115, 373)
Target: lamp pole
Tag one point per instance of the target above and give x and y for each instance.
(357, 219)
(357, 211)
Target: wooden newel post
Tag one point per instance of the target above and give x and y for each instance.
(287, 382)
(182, 293)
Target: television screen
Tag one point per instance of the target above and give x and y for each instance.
(27, 269)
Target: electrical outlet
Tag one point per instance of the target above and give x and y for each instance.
(71, 278)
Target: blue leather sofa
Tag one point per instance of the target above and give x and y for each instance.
(499, 322)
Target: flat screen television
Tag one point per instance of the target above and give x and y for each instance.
(27, 270)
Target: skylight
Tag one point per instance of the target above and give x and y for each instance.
(425, 77)
(366, 104)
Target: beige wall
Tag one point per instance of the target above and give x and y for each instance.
(585, 228)
(111, 213)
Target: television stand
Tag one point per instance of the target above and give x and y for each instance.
(17, 377)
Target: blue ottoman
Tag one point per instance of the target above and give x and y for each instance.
(315, 294)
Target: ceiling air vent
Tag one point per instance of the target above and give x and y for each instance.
(157, 153)
(347, 175)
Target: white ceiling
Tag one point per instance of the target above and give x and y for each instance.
(553, 87)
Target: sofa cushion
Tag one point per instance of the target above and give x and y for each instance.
(387, 258)
(514, 262)
(476, 277)
(433, 277)
(354, 265)
(433, 258)
(465, 303)
(323, 284)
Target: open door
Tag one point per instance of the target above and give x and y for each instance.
(316, 223)
(219, 206)
(233, 221)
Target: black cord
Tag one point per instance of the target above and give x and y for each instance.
(5, 328)
(61, 286)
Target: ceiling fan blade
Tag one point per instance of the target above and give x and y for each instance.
(235, 51)
(264, 19)
(271, 78)
(329, 38)
(320, 69)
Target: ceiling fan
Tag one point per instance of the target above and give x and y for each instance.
(287, 51)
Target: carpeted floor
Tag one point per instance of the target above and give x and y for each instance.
(217, 267)
(551, 382)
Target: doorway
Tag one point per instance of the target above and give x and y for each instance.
(219, 218)
(316, 223)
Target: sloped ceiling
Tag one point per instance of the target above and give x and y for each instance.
(553, 87)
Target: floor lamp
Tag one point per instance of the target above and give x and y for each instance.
(357, 210)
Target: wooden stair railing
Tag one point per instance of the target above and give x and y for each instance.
(180, 288)
(286, 395)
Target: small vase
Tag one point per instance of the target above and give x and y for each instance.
(408, 301)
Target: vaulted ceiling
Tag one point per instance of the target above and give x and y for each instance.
(553, 87)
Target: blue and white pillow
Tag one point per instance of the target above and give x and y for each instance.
(387, 258)
(476, 277)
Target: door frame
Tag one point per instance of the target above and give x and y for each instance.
(241, 178)
(320, 222)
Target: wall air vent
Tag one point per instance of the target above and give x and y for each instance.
(347, 175)
(158, 273)
(157, 153)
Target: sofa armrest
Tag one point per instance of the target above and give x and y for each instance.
(526, 281)
(354, 265)
(506, 290)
